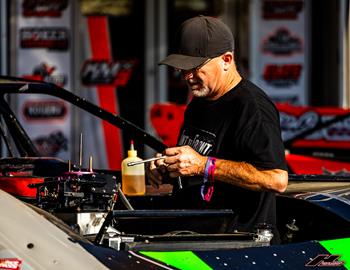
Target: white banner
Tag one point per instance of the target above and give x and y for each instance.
(44, 50)
(279, 41)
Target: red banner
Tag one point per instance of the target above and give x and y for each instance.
(295, 120)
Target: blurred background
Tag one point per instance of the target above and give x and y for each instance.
(108, 52)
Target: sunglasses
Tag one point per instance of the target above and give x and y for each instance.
(193, 70)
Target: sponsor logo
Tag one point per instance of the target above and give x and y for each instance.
(282, 43)
(282, 9)
(293, 125)
(282, 75)
(44, 72)
(103, 72)
(44, 110)
(53, 38)
(325, 260)
(51, 144)
(10, 263)
(43, 8)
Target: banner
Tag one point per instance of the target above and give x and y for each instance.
(279, 39)
(331, 141)
(43, 52)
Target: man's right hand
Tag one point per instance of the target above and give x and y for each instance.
(156, 172)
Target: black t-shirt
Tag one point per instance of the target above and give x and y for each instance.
(242, 125)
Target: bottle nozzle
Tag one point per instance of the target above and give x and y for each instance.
(132, 152)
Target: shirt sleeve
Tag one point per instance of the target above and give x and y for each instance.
(263, 146)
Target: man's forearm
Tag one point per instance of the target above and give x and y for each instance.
(247, 176)
(184, 161)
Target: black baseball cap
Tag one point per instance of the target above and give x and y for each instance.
(200, 38)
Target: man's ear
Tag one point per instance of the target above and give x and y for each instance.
(227, 60)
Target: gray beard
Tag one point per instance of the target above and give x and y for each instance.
(203, 92)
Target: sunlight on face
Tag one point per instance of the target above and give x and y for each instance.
(203, 81)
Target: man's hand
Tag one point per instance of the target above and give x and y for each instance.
(156, 172)
(184, 161)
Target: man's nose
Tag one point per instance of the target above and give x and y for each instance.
(187, 74)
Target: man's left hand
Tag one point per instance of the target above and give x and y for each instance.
(184, 161)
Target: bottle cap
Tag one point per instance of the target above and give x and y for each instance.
(132, 152)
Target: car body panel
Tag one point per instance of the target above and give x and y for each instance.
(37, 241)
(293, 256)
(319, 205)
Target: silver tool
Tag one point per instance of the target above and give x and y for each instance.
(144, 161)
(179, 182)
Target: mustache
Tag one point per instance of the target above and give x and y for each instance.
(193, 81)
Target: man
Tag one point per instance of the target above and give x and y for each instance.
(230, 148)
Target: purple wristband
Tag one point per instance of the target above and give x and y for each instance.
(207, 187)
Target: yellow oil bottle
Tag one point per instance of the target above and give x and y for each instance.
(133, 177)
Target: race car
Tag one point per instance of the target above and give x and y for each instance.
(149, 232)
